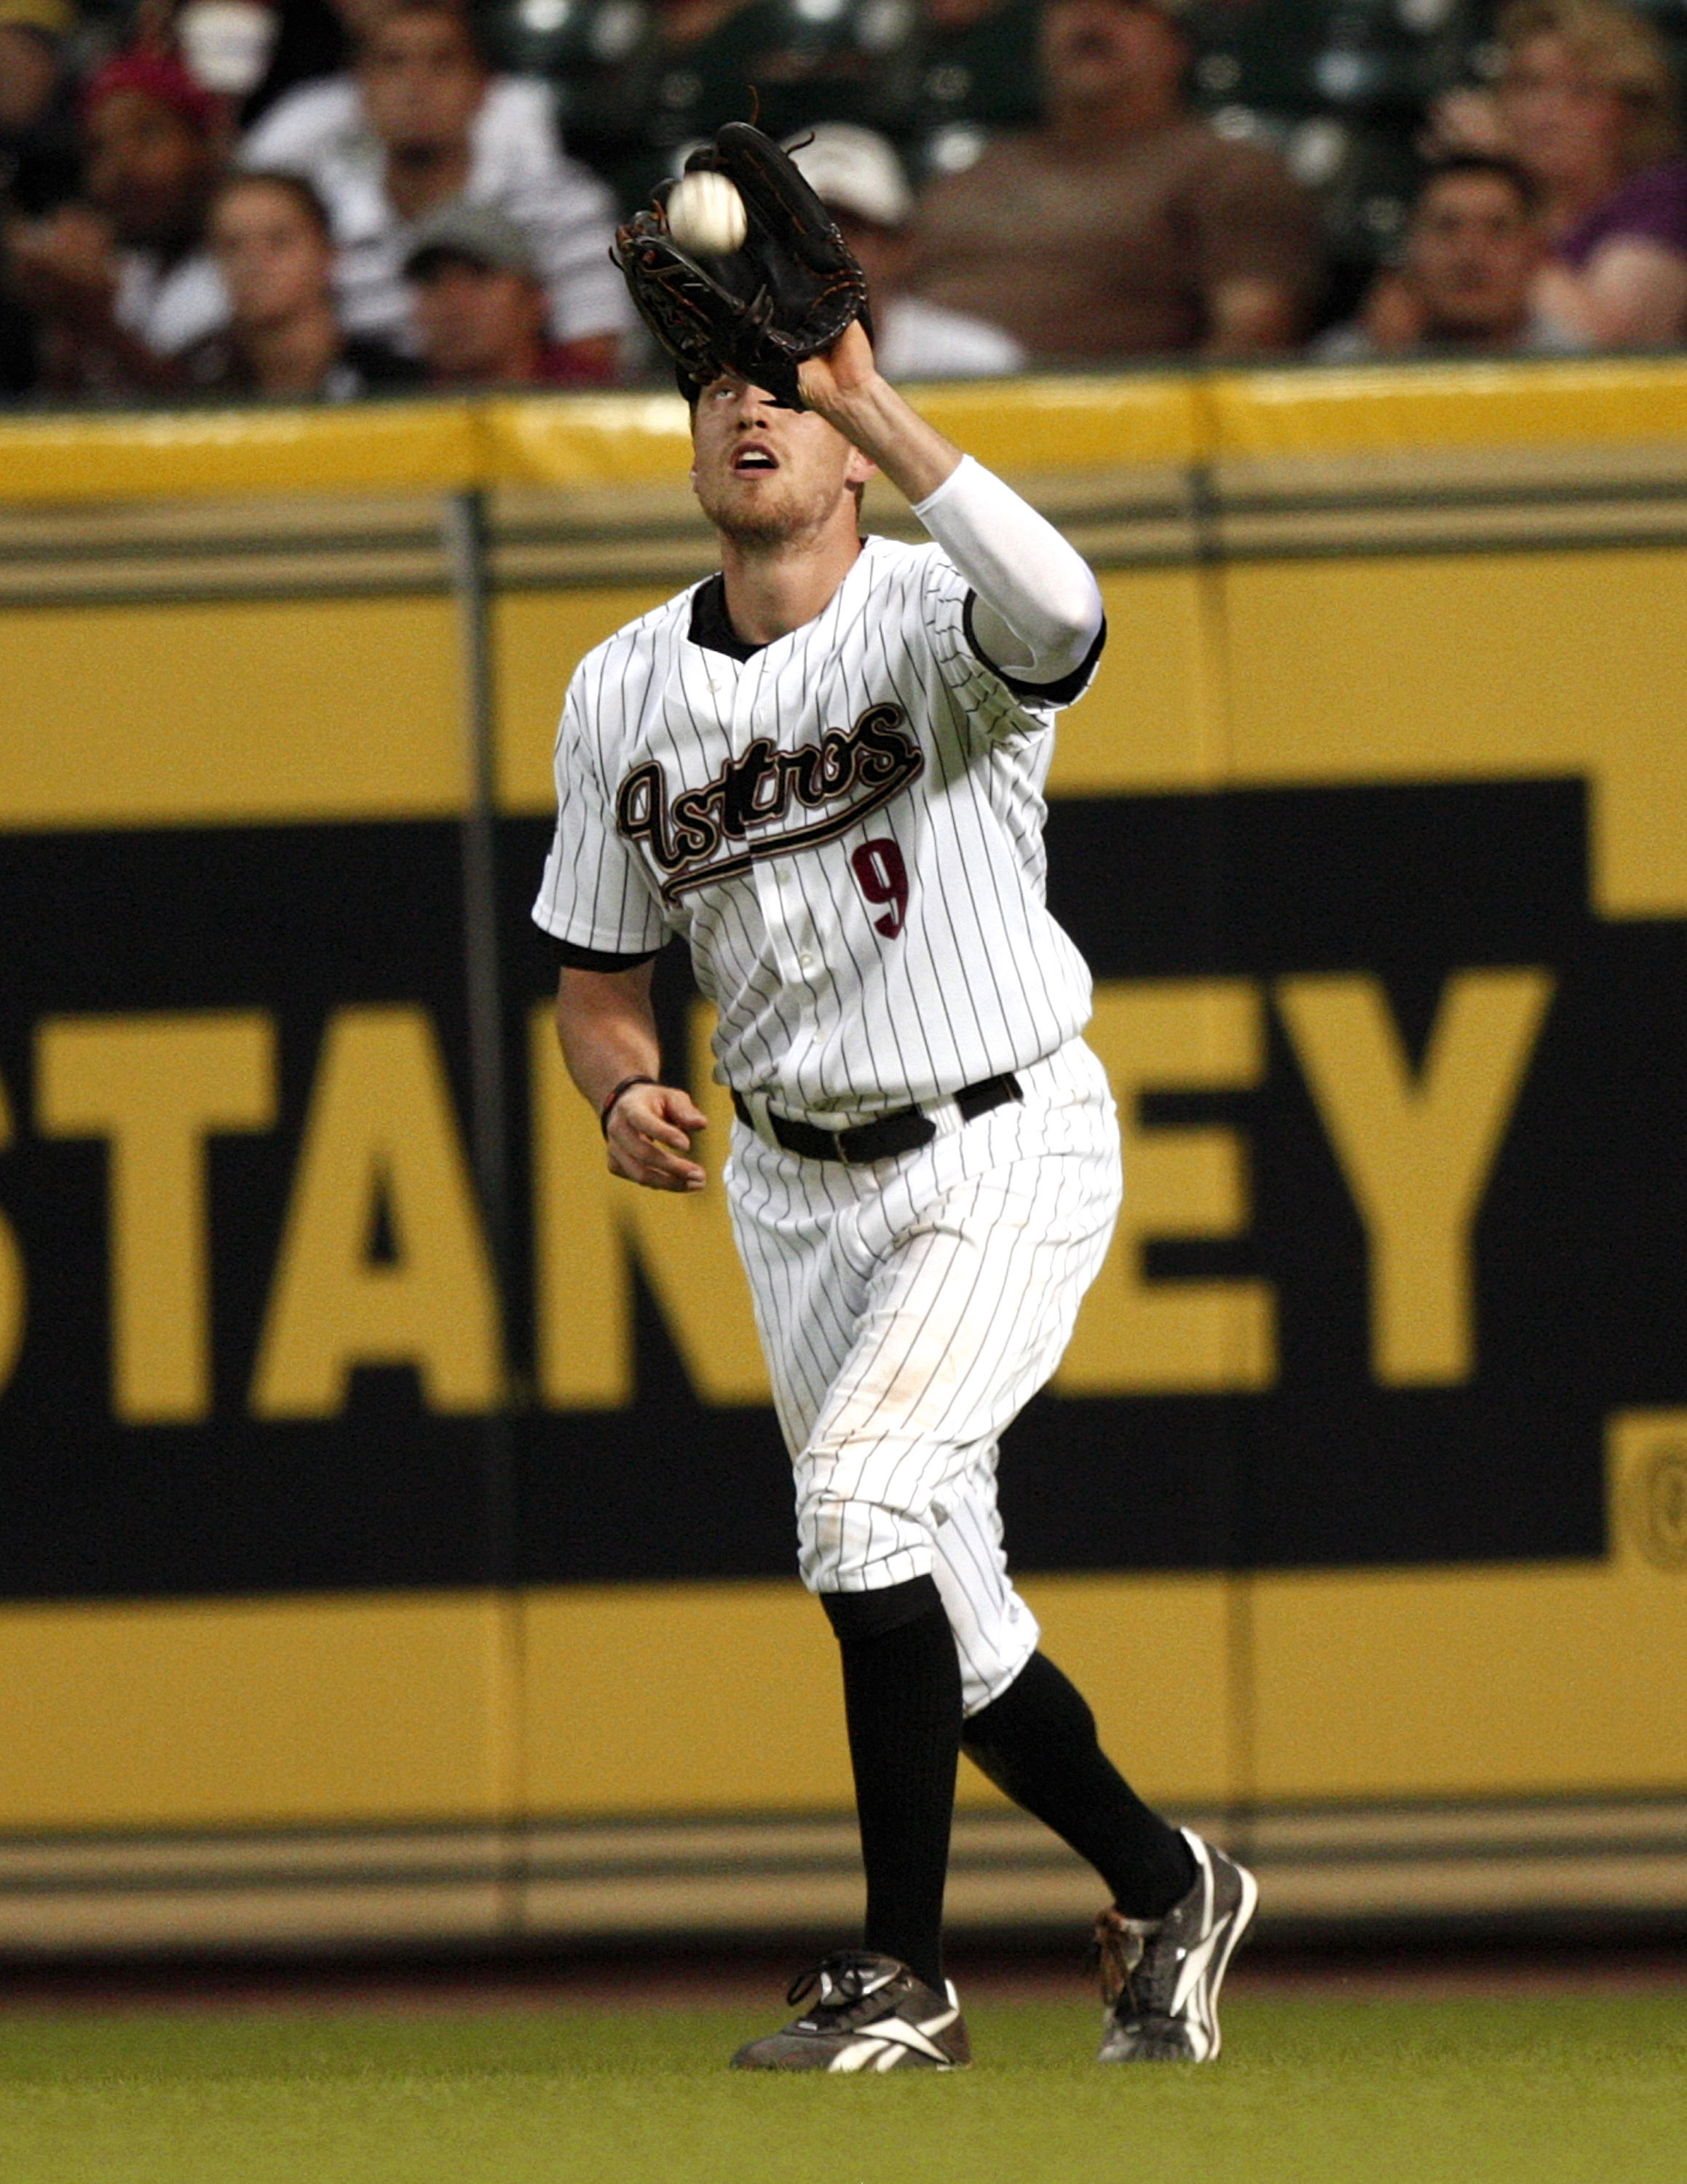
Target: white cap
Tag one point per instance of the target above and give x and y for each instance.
(855, 170)
(226, 44)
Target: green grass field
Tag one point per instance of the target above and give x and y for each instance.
(1388, 2093)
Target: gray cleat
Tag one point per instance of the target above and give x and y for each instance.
(870, 2013)
(1160, 1977)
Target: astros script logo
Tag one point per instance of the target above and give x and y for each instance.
(865, 766)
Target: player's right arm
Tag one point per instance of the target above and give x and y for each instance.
(608, 1031)
(597, 902)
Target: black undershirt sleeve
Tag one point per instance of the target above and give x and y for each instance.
(571, 958)
(1037, 694)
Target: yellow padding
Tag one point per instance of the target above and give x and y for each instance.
(252, 1713)
(229, 711)
(177, 455)
(1050, 424)
(1318, 411)
(708, 1697)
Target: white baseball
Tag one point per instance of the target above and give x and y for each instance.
(706, 215)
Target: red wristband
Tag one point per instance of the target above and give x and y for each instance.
(625, 1084)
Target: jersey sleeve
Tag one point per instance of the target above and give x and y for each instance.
(999, 704)
(595, 896)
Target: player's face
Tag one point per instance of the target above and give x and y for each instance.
(767, 475)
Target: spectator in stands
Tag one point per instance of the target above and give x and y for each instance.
(306, 117)
(1587, 104)
(859, 178)
(480, 305)
(270, 237)
(420, 125)
(40, 167)
(1125, 226)
(1474, 247)
(125, 283)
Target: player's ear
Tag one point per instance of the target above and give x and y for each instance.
(861, 468)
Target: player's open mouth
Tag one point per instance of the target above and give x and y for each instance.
(755, 459)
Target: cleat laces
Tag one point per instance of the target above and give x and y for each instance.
(1118, 1950)
(841, 1985)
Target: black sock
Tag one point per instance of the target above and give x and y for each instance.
(1038, 1742)
(902, 1700)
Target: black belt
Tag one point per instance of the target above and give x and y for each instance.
(890, 1134)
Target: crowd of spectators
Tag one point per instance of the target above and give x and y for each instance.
(317, 199)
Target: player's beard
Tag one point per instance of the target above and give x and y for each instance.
(762, 523)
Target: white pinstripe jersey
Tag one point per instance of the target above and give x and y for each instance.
(846, 825)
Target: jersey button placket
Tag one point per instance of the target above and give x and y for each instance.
(781, 912)
(774, 881)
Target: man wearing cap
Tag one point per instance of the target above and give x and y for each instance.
(859, 178)
(480, 308)
(1125, 226)
(125, 284)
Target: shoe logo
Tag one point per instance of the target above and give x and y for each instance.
(1193, 1970)
(882, 2048)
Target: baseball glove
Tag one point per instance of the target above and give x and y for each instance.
(787, 292)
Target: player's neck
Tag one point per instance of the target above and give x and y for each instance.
(773, 588)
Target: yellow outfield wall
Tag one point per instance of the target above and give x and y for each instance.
(1401, 577)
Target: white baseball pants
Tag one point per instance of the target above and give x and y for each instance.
(908, 1311)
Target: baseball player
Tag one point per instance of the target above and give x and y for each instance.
(823, 766)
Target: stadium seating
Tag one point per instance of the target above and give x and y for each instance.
(1338, 86)
(630, 95)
